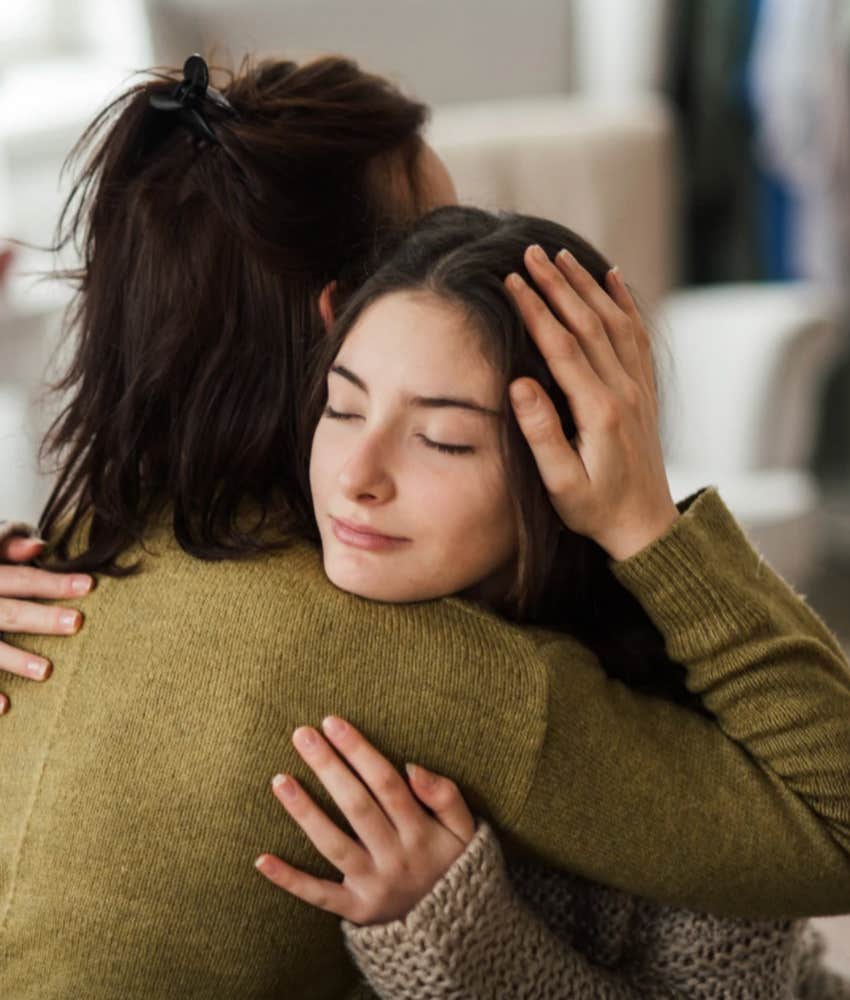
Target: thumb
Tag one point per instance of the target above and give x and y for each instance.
(557, 461)
(443, 798)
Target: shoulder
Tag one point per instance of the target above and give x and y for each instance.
(283, 598)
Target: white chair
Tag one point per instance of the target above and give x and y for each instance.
(748, 363)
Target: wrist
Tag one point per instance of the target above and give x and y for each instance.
(629, 543)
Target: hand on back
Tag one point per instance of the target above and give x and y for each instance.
(400, 848)
(23, 588)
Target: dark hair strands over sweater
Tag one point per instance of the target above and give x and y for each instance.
(196, 302)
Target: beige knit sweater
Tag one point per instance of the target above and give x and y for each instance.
(488, 931)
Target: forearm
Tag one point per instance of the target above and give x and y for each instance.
(745, 816)
(472, 937)
(765, 665)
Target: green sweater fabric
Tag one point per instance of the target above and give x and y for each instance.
(135, 783)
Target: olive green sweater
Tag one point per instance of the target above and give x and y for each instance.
(135, 783)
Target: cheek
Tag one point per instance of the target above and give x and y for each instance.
(472, 515)
(322, 465)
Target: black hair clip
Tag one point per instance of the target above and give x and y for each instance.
(189, 94)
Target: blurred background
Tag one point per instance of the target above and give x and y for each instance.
(703, 145)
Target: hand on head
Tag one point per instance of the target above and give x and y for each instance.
(610, 485)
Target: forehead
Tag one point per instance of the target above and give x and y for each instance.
(418, 342)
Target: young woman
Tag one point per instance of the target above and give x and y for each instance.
(214, 226)
(421, 362)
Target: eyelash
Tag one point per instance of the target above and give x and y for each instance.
(446, 449)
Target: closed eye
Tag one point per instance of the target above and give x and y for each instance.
(336, 415)
(448, 449)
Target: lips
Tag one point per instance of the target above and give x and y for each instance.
(362, 537)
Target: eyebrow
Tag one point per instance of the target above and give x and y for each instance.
(431, 402)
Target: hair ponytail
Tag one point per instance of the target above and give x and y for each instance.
(195, 312)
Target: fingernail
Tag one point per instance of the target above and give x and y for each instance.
(522, 395)
(306, 736)
(514, 281)
(70, 622)
(282, 783)
(81, 584)
(565, 256)
(263, 862)
(334, 726)
(40, 671)
(422, 777)
(4, 704)
(538, 254)
(616, 275)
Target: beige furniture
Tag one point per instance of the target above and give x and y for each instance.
(748, 365)
(605, 170)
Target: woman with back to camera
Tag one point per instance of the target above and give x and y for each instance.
(224, 248)
(436, 316)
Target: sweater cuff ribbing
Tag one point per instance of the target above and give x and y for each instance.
(697, 570)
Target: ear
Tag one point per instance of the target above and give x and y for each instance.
(326, 309)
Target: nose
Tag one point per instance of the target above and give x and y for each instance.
(365, 477)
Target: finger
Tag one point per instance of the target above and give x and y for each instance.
(25, 581)
(366, 817)
(4, 704)
(621, 295)
(18, 548)
(559, 464)
(562, 352)
(377, 773)
(38, 619)
(334, 845)
(330, 896)
(576, 315)
(619, 292)
(18, 661)
(619, 325)
(443, 798)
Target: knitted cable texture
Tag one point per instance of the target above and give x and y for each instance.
(488, 930)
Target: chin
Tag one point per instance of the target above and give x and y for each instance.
(362, 582)
(374, 583)
(372, 590)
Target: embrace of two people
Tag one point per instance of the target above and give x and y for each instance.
(336, 444)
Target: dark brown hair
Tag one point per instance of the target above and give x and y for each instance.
(196, 307)
(562, 579)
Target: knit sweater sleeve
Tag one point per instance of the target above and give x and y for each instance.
(472, 937)
(745, 816)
